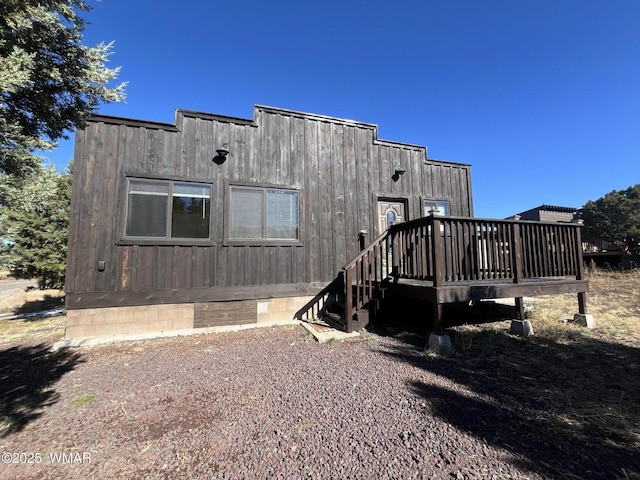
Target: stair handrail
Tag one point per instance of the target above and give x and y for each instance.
(312, 310)
(383, 236)
(363, 283)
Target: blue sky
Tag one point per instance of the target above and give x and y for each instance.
(541, 97)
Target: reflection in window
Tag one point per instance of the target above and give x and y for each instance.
(151, 214)
(391, 218)
(440, 208)
(190, 211)
(147, 209)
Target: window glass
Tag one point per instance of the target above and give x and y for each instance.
(282, 214)
(166, 209)
(190, 211)
(437, 207)
(147, 209)
(391, 218)
(247, 211)
(264, 214)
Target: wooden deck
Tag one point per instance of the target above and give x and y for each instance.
(470, 290)
(457, 259)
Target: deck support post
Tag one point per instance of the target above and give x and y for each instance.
(583, 318)
(437, 318)
(519, 308)
(437, 340)
(582, 303)
(522, 328)
(440, 343)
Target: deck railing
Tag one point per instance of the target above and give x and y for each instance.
(471, 249)
(459, 249)
(446, 250)
(602, 246)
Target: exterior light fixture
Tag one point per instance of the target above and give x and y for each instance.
(223, 152)
(399, 171)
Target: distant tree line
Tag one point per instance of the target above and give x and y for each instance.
(614, 218)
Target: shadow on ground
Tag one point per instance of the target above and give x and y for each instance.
(417, 317)
(48, 302)
(28, 375)
(570, 405)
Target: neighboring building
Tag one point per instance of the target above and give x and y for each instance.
(216, 220)
(601, 253)
(548, 213)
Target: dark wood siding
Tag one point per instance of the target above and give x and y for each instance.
(339, 167)
(213, 314)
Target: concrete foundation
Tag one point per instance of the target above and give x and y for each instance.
(522, 328)
(280, 309)
(584, 319)
(154, 319)
(441, 343)
(97, 322)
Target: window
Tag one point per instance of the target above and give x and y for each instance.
(165, 209)
(441, 208)
(258, 213)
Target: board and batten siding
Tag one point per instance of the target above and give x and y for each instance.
(339, 166)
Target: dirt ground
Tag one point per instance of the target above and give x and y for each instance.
(274, 403)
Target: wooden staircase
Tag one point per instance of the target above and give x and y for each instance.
(349, 302)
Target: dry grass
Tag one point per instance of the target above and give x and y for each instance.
(567, 383)
(47, 330)
(32, 301)
(613, 300)
(82, 400)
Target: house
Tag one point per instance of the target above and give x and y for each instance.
(601, 253)
(216, 220)
(549, 213)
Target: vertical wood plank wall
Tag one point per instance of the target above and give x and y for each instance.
(339, 166)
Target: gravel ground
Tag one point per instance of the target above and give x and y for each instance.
(257, 404)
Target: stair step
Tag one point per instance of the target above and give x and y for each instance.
(337, 306)
(374, 305)
(334, 319)
(361, 319)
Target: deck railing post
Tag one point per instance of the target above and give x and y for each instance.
(579, 259)
(348, 303)
(438, 253)
(395, 253)
(516, 253)
(582, 296)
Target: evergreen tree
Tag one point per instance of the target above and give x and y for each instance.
(614, 218)
(49, 81)
(35, 226)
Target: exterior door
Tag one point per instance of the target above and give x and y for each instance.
(390, 211)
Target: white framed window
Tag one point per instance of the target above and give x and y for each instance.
(440, 208)
(167, 209)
